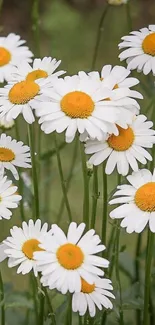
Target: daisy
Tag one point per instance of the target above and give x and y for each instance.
(11, 53)
(41, 68)
(8, 198)
(140, 54)
(23, 97)
(13, 153)
(66, 259)
(81, 103)
(138, 202)
(5, 125)
(92, 295)
(125, 149)
(21, 245)
(117, 2)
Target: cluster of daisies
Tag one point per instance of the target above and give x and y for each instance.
(103, 111)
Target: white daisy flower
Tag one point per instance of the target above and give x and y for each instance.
(66, 259)
(13, 153)
(5, 125)
(81, 103)
(137, 202)
(11, 53)
(19, 248)
(8, 198)
(117, 2)
(41, 68)
(140, 54)
(92, 295)
(22, 97)
(125, 149)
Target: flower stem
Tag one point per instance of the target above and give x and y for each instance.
(2, 301)
(69, 312)
(41, 308)
(105, 207)
(137, 272)
(129, 18)
(95, 196)
(52, 315)
(34, 170)
(62, 180)
(99, 32)
(34, 291)
(35, 26)
(118, 275)
(86, 187)
(69, 178)
(149, 255)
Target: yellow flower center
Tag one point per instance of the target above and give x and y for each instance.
(5, 56)
(116, 86)
(36, 74)
(145, 197)
(86, 287)
(123, 141)
(6, 154)
(22, 92)
(31, 246)
(77, 104)
(70, 256)
(148, 44)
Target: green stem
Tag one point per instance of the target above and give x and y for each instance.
(34, 171)
(86, 187)
(80, 320)
(62, 180)
(105, 207)
(118, 275)
(52, 315)
(41, 308)
(69, 312)
(21, 187)
(137, 272)
(69, 178)
(99, 32)
(35, 26)
(149, 255)
(129, 19)
(2, 301)
(35, 294)
(95, 196)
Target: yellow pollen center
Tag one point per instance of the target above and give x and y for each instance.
(148, 44)
(145, 197)
(22, 92)
(36, 74)
(6, 154)
(116, 86)
(86, 287)
(77, 104)
(123, 141)
(5, 56)
(70, 256)
(31, 246)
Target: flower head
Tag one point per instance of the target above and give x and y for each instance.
(5, 125)
(140, 54)
(11, 52)
(137, 202)
(21, 245)
(13, 153)
(66, 259)
(92, 295)
(8, 198)
(41, 68)
(125, 149)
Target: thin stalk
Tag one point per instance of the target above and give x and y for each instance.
(69, 312)
(86, 187)
(129, 18)
(35, 26)
(34, 171)
(62, 180)
(95, 196)
(35, 294)
(52, 315)
(137, 272)
(118, 276)
(105, 206)
(148, 262)
(2, 301)
(69, 178)
(21, 187)
(41, 308)
(99, 32)
(80, 320)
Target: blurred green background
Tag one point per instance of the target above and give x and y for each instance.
(68, 31)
